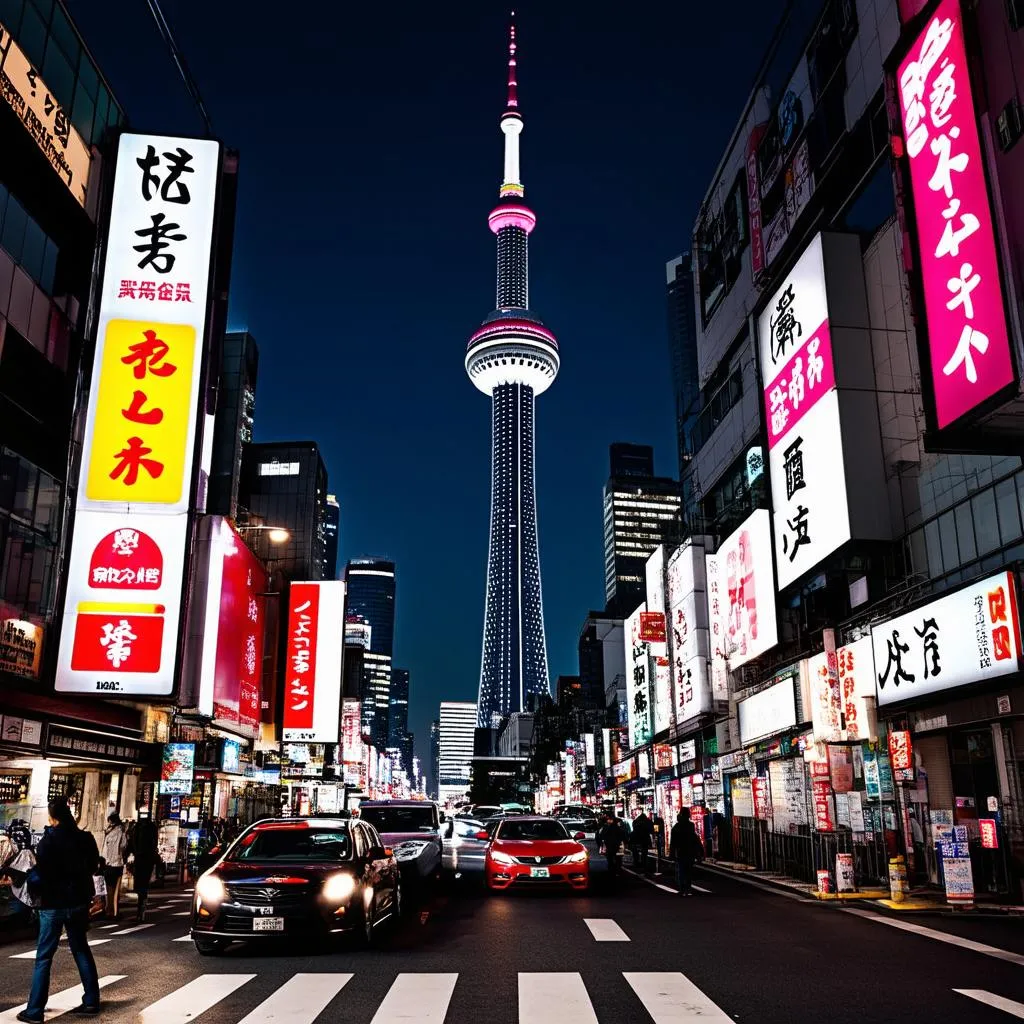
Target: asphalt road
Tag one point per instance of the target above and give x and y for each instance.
(732, 953)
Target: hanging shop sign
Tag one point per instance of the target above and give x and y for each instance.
(126, 570)
(989, 832)
(21, 647)
(638, 682)
(771, 711)
(652, 627)
(968, 339)
(969, 636)
(901, 754)
(653, 633)
(857, 688)
(177, 769)
(826, 703)
(313, 661)
(741, 594)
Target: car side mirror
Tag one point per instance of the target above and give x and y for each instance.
(580, 836)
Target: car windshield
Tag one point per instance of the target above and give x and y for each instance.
(400, 819)
(532, 830)
(293, 844)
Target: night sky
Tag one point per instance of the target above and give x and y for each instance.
(370, 158)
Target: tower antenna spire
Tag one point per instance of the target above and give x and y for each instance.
(513, 100)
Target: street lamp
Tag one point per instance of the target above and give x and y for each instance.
(275, 534)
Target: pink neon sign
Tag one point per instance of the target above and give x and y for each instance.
(967, 333)
(806, 377)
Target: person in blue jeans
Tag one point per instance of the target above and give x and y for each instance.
(66, 860)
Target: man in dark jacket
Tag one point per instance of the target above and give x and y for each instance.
(143, 847)
(682, 848)
(640, 837)
(611, 837)
(66, 860)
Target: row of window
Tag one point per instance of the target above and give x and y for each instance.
(26, 242)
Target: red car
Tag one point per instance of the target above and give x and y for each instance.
(536, 853)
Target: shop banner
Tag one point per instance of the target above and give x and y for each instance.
(688, 633)
(901, 753)
(969, 636)
(957, 873)
(177, 769)
(826, 706)
(638, 682)
(313, 661)
(989, 833)
(652, 627)
(824, 813)
(841, 768)
(845, 878)
(759, 793)
(857, 689)
(854, 799)
(742, 799)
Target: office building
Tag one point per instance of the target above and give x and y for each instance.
(512, 357)
(602, 660)
(456, 729)
(682, 346)
(398, 715)
(284, 484)
(434, 764)
(641, 511)
(371, 598)
(332, 528)
(233, 424)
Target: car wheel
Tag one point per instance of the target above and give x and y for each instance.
(210, 947)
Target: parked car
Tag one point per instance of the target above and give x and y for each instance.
(413, 829)
(297, 878)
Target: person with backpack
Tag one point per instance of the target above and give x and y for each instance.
(61, 882)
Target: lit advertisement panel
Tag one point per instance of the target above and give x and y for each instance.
(741, 594)
(638, 682)
(313, 661)
(688, 632)
(120, 631)
(968, 337)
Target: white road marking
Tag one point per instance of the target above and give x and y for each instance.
(604, 929)
(300, 1000)
(671, 998)
(134, 928)
(107, 927)
(182, 913)
(666, 888)
(934, 933)
(31, 954)
(1011, 1007)
(184, 938)
(61, 1002)
(417, 999)
(165, 906)
(554, 999)
(192, 999)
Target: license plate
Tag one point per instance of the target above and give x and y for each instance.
(263, 911)
(540, 873)
(268, 924)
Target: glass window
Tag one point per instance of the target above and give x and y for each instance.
(82, 114)
(1008, 506)
(33, 249)
(396, 818)
(102, 108)
(32, 37)
(947, 538)
(49, 271)
(10, 15)
(532, 829)
(986, 525)
(44, 7)
(24, 501)
(3, 205)
(67, 38)
(931, 539)
(59, 76)
(47, 512)
(293, 844)
(13, 236)
(965, 531)
(87, 77)
(918, 552)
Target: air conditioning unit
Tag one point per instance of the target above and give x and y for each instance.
(1009, 124)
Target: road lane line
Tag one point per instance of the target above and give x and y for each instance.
(939, 936)
(671, 998)
(182, 913)
(61, 1002)
(192, 999)
(1009, 1006)
(666, 888)
(554, 999)
(417, 999)
(31, 954)
(166, 906)
(184, 938)
(300, 1000)
(107, 927)
(134, 928)
(604, 929)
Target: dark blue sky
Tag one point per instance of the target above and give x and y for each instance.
(370, 158)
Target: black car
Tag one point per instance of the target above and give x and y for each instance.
(297, 877)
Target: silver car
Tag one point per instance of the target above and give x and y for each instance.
(465, 847)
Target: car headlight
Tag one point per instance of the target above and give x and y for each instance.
(501, 858)
(410, 849)
(339, 887)
(578, 858)
(210, 889)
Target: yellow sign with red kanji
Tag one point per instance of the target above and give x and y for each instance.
(139, 446)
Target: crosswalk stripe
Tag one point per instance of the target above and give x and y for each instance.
(671, 998)
(300, 1000)
(192, 999)
(554, 999)
(1011, 1007)
(134, 928)
(417, 999)
(699, 888)
(165, 906)
(61, 1002)
(604, 929)
(107, 927)
(31, 954)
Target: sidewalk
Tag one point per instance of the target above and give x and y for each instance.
(919, 901)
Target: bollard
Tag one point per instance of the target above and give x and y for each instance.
(898, 879)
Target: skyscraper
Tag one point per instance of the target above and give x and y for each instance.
(371, 597)
(398, 716)
(332, 526)
(434, 767)
(682, 347)
(455, 749)
(236, 407)
(641, 511)
(512, 357)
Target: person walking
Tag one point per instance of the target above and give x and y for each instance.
(115, 842)
(66, 859)
(682, 848)
(610, 837)
(641, 836)
(144, 854)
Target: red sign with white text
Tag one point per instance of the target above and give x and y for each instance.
(652, 627)
(989, 833)
(900, 750)
(118, 640)
(126, 558)
(300, 656)
(968, 339)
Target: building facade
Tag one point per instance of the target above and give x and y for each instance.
(602, 663)
(332, 529)
(233, 426)
(456, 729)
(512, 358)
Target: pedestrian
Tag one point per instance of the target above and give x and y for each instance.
(682, 848)
(641, 835)
(610, 838)
(115, 842)
(66, 859)
(144, 854)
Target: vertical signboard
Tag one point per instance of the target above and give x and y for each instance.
(857, 689)
(688, 633)
(638, 683)
(125, 575)
(313, 662)
(653, 632)
(969, 345)
(801, 405)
